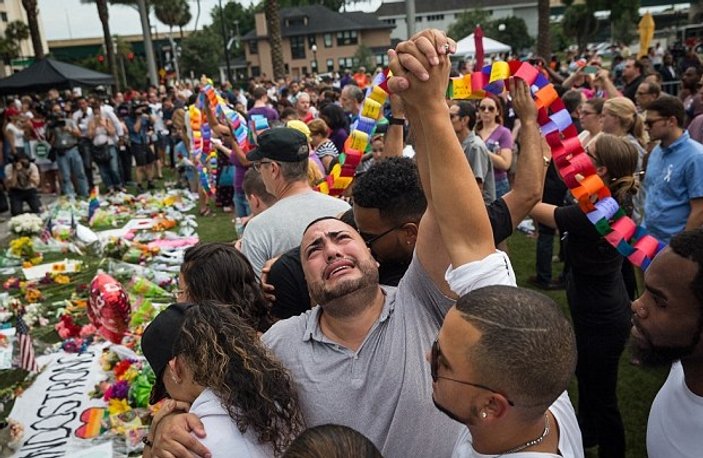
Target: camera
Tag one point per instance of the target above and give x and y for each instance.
(140, 109)
(54, 120)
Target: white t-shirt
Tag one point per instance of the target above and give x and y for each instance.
(675, 425)
(223, 438)
(570, 445)
(18, 134)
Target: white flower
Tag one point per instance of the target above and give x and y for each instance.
(26, 224)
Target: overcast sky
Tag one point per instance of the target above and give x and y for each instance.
(71, 19)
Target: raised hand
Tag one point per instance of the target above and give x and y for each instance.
(523, 104)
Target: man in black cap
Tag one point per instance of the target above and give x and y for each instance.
(282, 161)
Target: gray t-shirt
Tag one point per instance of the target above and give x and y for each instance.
(281, 226)
(477, 155)
(384, 389)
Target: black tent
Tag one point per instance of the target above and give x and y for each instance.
(49, 73)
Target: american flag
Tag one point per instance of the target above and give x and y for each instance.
(48, 228)
(27, 360)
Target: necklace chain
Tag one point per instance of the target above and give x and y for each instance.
(536, 441)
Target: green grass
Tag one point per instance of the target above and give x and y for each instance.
(636, 386)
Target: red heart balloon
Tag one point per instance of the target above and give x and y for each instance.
(108, 307)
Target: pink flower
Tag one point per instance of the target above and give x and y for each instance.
(88, 330)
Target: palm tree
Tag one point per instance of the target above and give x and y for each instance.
(30, 6)
(273, 23)
(543, 44)
(104, 15)
(173, 13)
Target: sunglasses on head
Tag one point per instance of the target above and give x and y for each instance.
(434, 368)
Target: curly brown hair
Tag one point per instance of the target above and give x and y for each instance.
(219, 272)
(225, 354)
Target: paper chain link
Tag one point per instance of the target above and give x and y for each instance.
(201, 139)
(342, 174)
(572, 163)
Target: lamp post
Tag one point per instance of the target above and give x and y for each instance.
(224, 37)
(313, 48)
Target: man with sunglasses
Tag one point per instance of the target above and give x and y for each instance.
(674, 175)
(282, 161)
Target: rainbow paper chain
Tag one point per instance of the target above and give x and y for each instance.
(573, 164)
(342, 174)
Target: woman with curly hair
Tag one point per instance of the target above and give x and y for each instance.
(211, 363)
(597, 297)
(219, 272)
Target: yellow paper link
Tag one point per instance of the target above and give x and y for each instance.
(342, 182)
(359, 140)
(499, 71)
(323, 188)
(336, 171)
(378, 94)
(461, 87)
(371, 109)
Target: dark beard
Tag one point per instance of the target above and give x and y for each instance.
(464, 421)
(658, 356)
(369, 279)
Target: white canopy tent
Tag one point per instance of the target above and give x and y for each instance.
(466, 47)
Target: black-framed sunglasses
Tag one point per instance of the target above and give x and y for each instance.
(370, 239)
(490, 108)
(434, 367)
(257, 165)
(651, 122)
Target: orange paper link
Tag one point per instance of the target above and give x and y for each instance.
(545, 96)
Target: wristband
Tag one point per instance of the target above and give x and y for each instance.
(546, 161)
(147, 442)
(396, 121)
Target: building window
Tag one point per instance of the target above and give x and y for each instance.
(297, 47)
(3, 17)
(347, 38)
(418, 18)
(299, 21)
(346, 62)
(253, 47)
(435, 17)
(255, 71)
(382, 60)
(330, 65)
(389, 21)
(328, 40)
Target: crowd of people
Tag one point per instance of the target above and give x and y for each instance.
(389, 322)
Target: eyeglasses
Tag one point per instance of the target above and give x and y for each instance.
(370, 239)
(257, 165)
(651, 122)
(490, 108)
(434, 367)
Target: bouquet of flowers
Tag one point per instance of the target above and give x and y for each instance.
(27, 224)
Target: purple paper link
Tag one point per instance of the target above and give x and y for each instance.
(365, 125)
(549, 128)
(541, 81)
(378, 79)
(496, 87)
(354, 124)
(595, 215)
(608, 207)
(486, 70)
(561, 118)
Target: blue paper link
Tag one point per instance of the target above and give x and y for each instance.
(365, 125)
(496, 87)
(608, 206)
(541, 81)
(562, 119)
(487, 69)
(624, 248)
(549, 128)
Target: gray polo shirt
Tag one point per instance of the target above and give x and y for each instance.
(383, 390)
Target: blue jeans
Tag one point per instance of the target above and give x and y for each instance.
(71, 164)
(109, 171)
(241, 206)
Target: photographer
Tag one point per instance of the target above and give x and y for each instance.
(138, 123)
(21, 181)
(63, 136)
(81, 118)
(102, 130)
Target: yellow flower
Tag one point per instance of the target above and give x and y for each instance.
(129, 375)
(62, 279)
(118, 406)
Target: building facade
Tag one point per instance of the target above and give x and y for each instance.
(316, 40)
(440, 14)
(10, 11)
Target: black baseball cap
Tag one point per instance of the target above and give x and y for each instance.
(281, 144)
(159, 344)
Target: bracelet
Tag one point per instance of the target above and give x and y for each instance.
(396, 121)
(147, 442)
